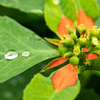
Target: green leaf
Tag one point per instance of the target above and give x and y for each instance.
(41, 88)
(16, 38)
(89, 6)
(98, 20)
(55, 9)
(88, 94)
(29, 6)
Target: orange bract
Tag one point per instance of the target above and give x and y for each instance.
(56, 62)
(86, 20)
(91, 56)
(62, 29)
(64, 77)
(85, 49)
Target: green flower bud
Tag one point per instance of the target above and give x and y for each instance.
(94, 41)
(68, 42)
(74, 37)
(83, 41)
(70, 31)
(74, 60)
(98, 46)
(68, 54)
(76, 50)
(62, 49)
(81, 28)
(94, 32)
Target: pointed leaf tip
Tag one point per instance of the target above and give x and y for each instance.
(64, 77)
(55, 63)
(91, 56)
(86, 20)
(62, 29)
(53, 41)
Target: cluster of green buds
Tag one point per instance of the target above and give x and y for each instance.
(72, 45)
(95, 37)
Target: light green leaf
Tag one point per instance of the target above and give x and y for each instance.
(41, 88)
(29, 6)
(55, 9)
(89, 6)
(16, 38)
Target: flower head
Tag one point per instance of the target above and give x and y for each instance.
(76, 46)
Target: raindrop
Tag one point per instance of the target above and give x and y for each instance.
(37, 37)
(56, 2)
(25, 53)
(14, 82)
(8, 94)
(11, 55)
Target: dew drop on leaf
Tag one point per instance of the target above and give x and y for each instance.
(11, 55)
(25, 53)
(56, 2)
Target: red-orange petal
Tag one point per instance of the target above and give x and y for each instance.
(62, 29)
(85, 49)
(64, 77)
(86, 20)
(55, 63)
(91, 56)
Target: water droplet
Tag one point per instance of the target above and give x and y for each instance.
(37, 37)
(56, 2)
(14, 82)
(11, 55)
(25, 53)
(8, 94)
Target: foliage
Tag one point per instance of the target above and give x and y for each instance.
(53, 68)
